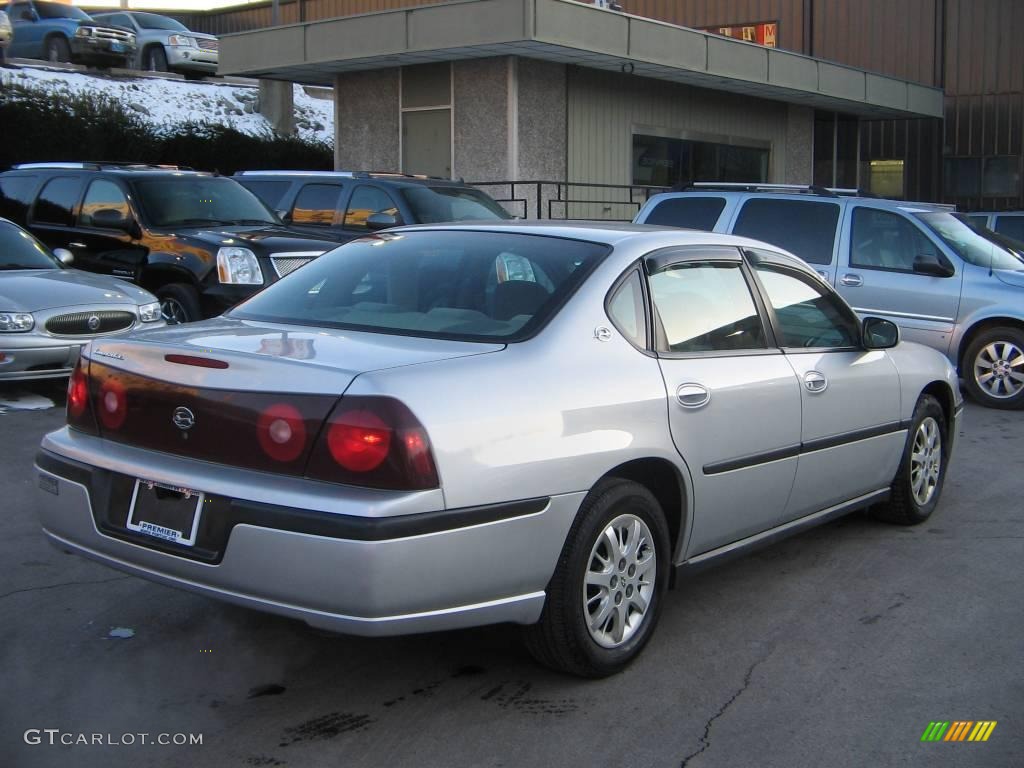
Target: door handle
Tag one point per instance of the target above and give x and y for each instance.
(815, 381)
(77, 245)
(852, 280)
(692, 395)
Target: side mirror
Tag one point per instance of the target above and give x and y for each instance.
(880, 334)
(377, 221)
(111, 218)
(64, 256)
(933, 266)
(283, 215)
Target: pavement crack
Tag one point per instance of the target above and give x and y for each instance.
(62, 584)
(705, 740)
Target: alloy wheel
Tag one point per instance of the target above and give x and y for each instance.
(926, 461)
(173, 312)
(999, 370)
(619, 583)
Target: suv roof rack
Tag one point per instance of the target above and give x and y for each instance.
(349, 174)
(798, 189)
(101, 165)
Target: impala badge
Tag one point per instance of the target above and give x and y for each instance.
(183, 418)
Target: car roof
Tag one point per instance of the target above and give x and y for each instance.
(398, 179)
(132, 169)
(804, 196)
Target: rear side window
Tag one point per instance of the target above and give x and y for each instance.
(16, 196)
(316, 204)
(1011, 226)
(688, 212)
(270, 192)
(56, 202)
(805, 228)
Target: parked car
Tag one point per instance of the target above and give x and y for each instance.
(946, 283)
(48, 312)
(453, 425)
(6, 34)
(58, 32)
(347, 204)
(165, 44)
(199, 241)
(1007, 223)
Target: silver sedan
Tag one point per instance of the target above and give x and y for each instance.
(48, 312)
(453, 425)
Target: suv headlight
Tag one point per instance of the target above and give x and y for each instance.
(83, 32)
(182, 41)
(149, 313)
(238, 266)
(16, 322)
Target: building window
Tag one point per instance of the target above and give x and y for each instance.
(663, 161)
(885, 178)
(962, 176)
(1001, 177)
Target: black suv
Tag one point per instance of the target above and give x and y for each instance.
(344, 205)
(199, 241)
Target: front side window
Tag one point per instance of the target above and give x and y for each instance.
(688, 212)
(316, 204)
(200, 201)
(805, 228)
(706, 306)
(626, 310)
(103, 195)
(431, 205)
(365, 202)
(462, 285)
(885, 240)
(807, 315)
(57, 201)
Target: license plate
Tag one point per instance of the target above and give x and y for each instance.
(165, 512)
(118, 47)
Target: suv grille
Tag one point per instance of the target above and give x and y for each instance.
(105, 321)
(208, 45)
(108, 33)
(285, 265)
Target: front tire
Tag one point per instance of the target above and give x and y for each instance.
(918, 485)
(57, 50)
(179, 303)
(156, 59)
(993, 368)
(606, 594)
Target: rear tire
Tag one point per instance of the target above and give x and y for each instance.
(57, 50)
(156, 59)
(918, 484)
(993, 368)
(179, 303)
(606, 594)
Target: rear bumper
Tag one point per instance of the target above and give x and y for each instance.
(353, 570)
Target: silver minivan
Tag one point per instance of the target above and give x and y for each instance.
(946, 281)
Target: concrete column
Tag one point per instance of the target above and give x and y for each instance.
(799, 164)
(366, 121)
(277, 104)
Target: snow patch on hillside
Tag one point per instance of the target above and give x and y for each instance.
(167, 103)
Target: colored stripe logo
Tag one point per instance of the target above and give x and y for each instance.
(959, 730)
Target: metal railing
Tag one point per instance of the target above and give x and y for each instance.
(570, 200)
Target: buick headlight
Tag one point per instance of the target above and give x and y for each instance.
(238, 266)
(149, 313)
(181, 41)
(16, 322)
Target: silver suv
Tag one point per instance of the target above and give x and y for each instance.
(947, 282)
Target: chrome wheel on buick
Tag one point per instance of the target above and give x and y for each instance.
(172, 311)
(926, 461)
(619, 582)
(999, 370)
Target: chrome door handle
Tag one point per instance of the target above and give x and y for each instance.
(692, 395)
(852, 280)
(815, 381)
(77, 245)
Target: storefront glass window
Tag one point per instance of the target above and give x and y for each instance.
(665, 162)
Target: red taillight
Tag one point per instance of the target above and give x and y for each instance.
(112, 404)
(375, 442)
(79, 414)
(359, 440)
(281, 431)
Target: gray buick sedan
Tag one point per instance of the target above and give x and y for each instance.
(48, 312)
(453, 425)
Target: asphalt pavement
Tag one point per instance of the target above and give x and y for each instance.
(834, 648)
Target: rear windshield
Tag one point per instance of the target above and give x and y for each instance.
(688, 212)
(434, 205)
(458, 285)
(805, 228)
(196, 201)
(19, 250)
(972, 243)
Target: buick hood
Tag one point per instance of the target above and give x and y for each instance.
(32, 290)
